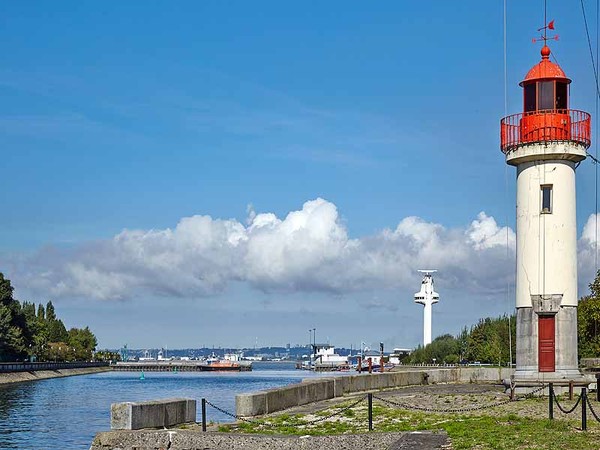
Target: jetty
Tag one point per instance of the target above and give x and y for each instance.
(181, 366)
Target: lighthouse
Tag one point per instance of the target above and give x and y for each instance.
(545, 143)
(427, 297)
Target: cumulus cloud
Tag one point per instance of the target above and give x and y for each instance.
(586, 249)
(309, 250)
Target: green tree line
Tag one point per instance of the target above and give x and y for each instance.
(486, 342)
(27, 331)
(588, 322)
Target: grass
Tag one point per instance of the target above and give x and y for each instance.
(467, 431)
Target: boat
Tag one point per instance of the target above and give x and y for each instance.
(221, 365)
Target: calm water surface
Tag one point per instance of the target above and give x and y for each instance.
(66, 413)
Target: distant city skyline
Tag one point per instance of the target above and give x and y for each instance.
(194, 173)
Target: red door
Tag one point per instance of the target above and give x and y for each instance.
(546, 343)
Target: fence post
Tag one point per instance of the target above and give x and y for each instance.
(571, 390)
(370, 397)
(584, 409)
(598, 387)
(550, 401)
(203, 414)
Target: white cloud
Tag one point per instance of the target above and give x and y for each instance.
(308, 250)
(586, 252)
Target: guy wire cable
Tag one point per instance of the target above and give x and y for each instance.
(595, 157)
(506, 197)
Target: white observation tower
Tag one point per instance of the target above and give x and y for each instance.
(427, 297)
(546, 143)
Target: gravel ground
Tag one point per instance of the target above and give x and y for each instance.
(455, 396)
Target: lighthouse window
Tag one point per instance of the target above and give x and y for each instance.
(530, 97)
(561, 96)
(546, 95)
(546, 199)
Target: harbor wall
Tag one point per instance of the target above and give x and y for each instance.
(311, 390)
(19, 377)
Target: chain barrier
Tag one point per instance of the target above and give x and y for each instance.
(565, 411)
(295, 424)
(458, 410)
(397, 404)
(438, 410)
(589, 402)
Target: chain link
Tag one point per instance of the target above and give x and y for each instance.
(565, 411)
(393, 403)
(295, 424)
(458, 410)
(589, 402)
(438, 410)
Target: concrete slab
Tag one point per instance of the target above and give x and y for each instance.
(152, 414)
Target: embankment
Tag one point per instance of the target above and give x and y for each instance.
(33, 375)
(314, 390)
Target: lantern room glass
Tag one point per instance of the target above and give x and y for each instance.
(545, 95)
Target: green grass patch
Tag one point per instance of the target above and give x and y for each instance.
(486, 431)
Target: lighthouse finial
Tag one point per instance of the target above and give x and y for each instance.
(543, 38)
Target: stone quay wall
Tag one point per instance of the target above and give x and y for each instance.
(314, 390)
(33, 375)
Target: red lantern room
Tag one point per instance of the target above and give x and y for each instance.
(546, 115)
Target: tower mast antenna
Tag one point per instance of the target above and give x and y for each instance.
(427, 297)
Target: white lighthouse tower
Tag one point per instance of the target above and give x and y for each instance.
(545, 143)
(427, 297)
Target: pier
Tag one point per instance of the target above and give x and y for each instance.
(180, 366)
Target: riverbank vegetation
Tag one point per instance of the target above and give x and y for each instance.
(588, 322)
(35, 332)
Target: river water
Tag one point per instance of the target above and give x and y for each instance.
(66, 413)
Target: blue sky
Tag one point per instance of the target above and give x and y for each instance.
(135, 116)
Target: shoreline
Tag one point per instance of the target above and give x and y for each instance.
(20, 377)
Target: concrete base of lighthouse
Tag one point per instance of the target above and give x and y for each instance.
(528, 343)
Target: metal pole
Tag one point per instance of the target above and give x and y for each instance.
(598, 387)
(584, 409)
(370, 397)
(204, 414)
(550, 401)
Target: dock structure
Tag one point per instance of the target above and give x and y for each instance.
(180, 366)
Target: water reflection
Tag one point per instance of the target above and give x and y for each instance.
(66, 413)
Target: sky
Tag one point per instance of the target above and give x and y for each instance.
(232, 174)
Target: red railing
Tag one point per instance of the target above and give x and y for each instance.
(545, 126)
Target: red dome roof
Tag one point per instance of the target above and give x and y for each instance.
(545, 70)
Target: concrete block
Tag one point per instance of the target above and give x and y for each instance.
(282, 398)
(252, 404)
(152, 414)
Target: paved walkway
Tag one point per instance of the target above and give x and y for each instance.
(186, 439)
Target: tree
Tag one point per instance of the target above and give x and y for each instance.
(50, 314)
(83, 342)
(444, 349)
(41, 313)
(12, 324)
(6, 291)
(27, 332)
(57, 331)
(12, 344)
(588, 321)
